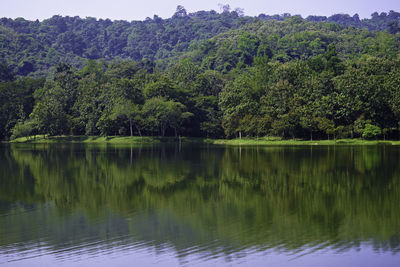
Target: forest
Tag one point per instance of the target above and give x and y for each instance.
(202, 74)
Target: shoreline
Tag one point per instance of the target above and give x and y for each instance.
(264, 141)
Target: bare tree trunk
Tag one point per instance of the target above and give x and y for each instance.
(240, 135)
(138, 129)
(130, 126)
(311, 135)
(163, 127)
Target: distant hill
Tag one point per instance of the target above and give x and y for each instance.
(288, 40)
(32, 47)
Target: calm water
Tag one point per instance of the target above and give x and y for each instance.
(76, 205)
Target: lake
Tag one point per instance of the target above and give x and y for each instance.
(199, 205)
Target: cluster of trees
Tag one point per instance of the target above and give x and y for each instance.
(117, 99)
(32, 47)
(323, 96)
(292, 39)
(378, 22)
(16, 99)
(291, 78)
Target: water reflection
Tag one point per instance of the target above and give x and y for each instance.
(205, 202)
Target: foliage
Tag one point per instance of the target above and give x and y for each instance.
(23, 129)
(371, 131)
(226, 76)
(32, 47)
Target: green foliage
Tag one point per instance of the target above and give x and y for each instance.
(6, 73)
(36, 46)
(371, 131)
(279, 75)
(31, 48)
(23, 129)
(16, 102)
(161, 113)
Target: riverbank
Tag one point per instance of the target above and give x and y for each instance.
(40, 139)
(290, 142)
(270, 141)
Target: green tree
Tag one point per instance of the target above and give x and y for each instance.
(160, 113)
(371, 131)
(131, 111)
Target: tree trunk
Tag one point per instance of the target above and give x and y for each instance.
(311, 135)
(138, 129)
(163, 127)
(130, 126)
(176, 133)
(240, 135)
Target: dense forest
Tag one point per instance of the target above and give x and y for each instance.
(32, 47)
(204, 74)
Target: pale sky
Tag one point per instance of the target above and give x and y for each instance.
(140, 9)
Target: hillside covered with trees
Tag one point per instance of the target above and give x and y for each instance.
(202, 74)
(32, 47)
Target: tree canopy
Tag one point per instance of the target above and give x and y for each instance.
(201, 74)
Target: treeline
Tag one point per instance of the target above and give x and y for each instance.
(323, 97)
(292, 78)
(34, 47)
(378, 22)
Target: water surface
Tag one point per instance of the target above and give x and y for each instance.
(203, 205)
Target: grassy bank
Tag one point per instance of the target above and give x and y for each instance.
(270, 141)
(88, 139)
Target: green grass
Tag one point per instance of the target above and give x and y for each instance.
(268, 141)
(279, 142)
(88, 139)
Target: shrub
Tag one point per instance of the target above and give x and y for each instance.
(23, 129)
(371, 131)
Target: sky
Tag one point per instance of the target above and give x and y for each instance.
(140, 9)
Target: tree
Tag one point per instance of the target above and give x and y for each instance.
(6, 74)
(23, 129)
(326, 125)
(333, 62)
(54, 102)
(161, 113)
(371, 131)
(50, 117)
(247, 45)
(237, 99)
(130, 110)
(180, 12)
